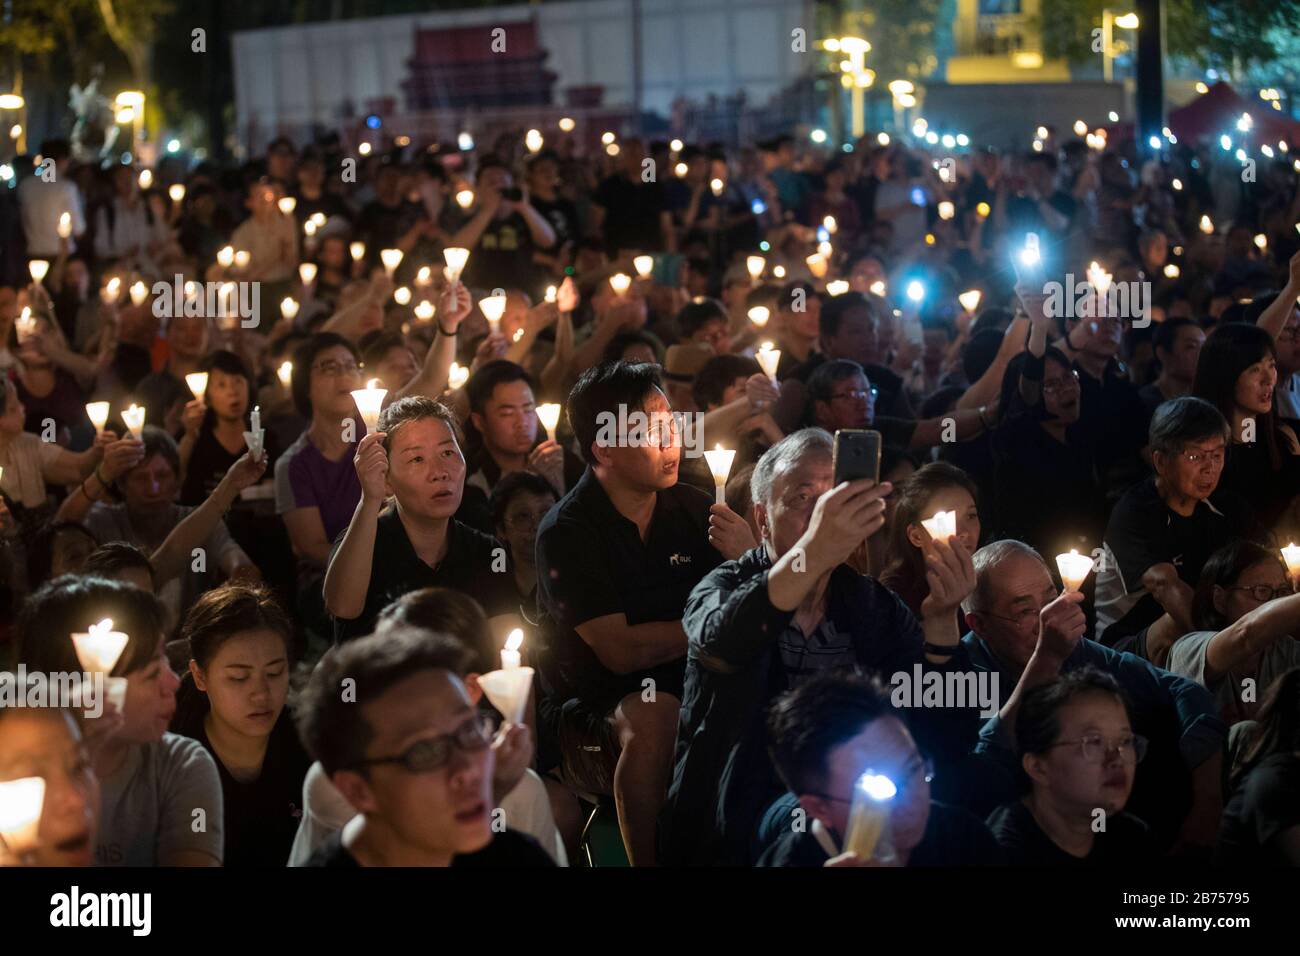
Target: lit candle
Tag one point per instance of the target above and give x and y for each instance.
(551, 293)
(759, 315)
(391, 259)
(1291, 555)
(307, 273)
(65, 225)
(112, 290)
(198, 383)
(38, 269)
(226, 257)
(644, 265)
(285, 372)
(533, 140)
(620, 282)
(424, 276)
(456, 258)
(755, 265)
(139, 292)
(465, 198)
(947, 210)
(369, 401)
(1074, 567)
(942, 526)
(778, 271)
(255, 435)
(825, 249)
(830, 225)
(402, 295)
(494, 306)
(837, 287)
(970, 300)
(1172, 271)
(287, 205)
(878, 288)
(242, 258)
(717, 185)
(424, 311)
(817, 265)
(769, 358)
(1261, 241)
(510, 654)
(1099, 278)
(1207, 225)
(256, 418)
(358, 250)
(21, 803)
(289, 308)
(98, 650)
(133, 418)
(550, 417)
(25, 324)
(97, 412)
(720, 460)
(319, 219)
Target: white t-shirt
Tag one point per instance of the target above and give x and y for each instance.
(325, 811)
(148, 807)
(24, 464)
(1187, 659)
(42, 204)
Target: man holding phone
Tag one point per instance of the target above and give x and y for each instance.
(785, 611)
(503, 234)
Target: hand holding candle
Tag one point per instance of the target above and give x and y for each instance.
(456, 259)
(97, 412)
(198, 383)
(369, 402)
(493, 307)
(1074, 568)
(769, 358)
(508, 688)
(133, 418)
(942, 526)
(255, 435)
(1291, 555)
(98, 650)
(720, 460)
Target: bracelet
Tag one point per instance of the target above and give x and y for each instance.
(451, 334)
(940, 650)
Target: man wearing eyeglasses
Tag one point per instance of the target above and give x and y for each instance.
(1163, 530)
(411, 753)
(825, 734)
(1028, 632)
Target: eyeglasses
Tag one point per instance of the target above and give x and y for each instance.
(1200, 459)
(1069, 383)
(1263, 593)
(921, 770)
(1022, 619)
(334, 369)
(425, 756)
(1094, 748)
(856, 395)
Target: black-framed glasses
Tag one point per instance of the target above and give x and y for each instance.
(334, 369)
(433, 753)
(1019, 619)
(1095, 748)
(921, 770)
(1263, 593)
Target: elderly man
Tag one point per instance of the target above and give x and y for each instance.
(784, 611)
(1027, 632)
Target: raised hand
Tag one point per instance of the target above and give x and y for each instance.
(371, 463)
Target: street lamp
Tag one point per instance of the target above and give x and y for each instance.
(856, 76)
(132, 100)
(1125, 21)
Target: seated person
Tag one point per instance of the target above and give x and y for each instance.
(410, 753)
(1261, 821)
(1027, 632)
(47, 742)
(616, 560)
(415, 457)
(1245, 613)
(517, 790)
(156, 786)
(825, 734)
(121, 561)
(232, 701)
(1163, 529)
(1078, 747)
(775, 617)
(519, 502)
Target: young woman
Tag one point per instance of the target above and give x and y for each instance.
(1079, 750)
(47, 742)
(161, 796)
(1261, 821)
(936, 487)
(519, 502)
(214, 427)
(1237, 373)
(232, 701)
(1245, 613)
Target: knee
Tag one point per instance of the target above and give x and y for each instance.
(648, 724)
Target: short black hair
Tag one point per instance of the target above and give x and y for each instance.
(512, 485)
(115, 556)
(695, 315)
(449, 612)
(331, 723)
(1182, 420)
(716, 375)
(619, 344)
(157, 442)
(837, 307)
(304, 357)
(1166, 333)
(805, 724)
(69, 604)
(56, 148)
(377, 343)
(600, 391)
(484, 382)
(1038, 722)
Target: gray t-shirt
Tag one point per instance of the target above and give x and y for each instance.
(1187, 659)
(147, 811)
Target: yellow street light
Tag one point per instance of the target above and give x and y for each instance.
(1127, 21)
(11, 101)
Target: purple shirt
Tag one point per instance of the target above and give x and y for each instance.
(304, 478)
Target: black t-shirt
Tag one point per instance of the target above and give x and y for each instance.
(381, 226)
(503, 256)
(1125, 841)
(210, 460)
(953, 837)
(563, 217)
(1265, 806)
(507, 849)
(397, 569)
(632, 211)
(591, 562)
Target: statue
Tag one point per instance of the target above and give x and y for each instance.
(94, 133)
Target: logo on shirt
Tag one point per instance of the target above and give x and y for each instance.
(679, 559)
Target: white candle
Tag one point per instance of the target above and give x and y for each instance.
(391, 259)
(112, 290)
(720, 460)
(65, 225)
(256, 418)
(285, 372)
(198, 383)
(226, 257)
(759, 315)
(287, 205)
(358, 250)
(402, 295)
(1074, 567)
(644, 265)
(755, 265)
(1291, 555)
(970, 300)
(38, 269)
(620, 282)
(25, 325)
(494, 306)
(510, 655)
(369, 402)
(424, 276)
(942, 526)
(837, 287)
(456, 258)
(146, 178)
(242, 258)
(424, 311)
(139, 292)
(97, 412)
(133, 418)
(551, 293)
(830, 225)
(465, 198)
(21, 803)
(550, 417)
(457, 376)
(307, 273)
(289, 308)
(769, 358)
(98, 650)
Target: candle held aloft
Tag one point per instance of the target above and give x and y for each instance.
(769, 358)
(1291, 555)
(620, 282)
(133, 418)
(942, 526)
(510, 654)
(720, 460)
(494, 306)
(139, 292)
(198, 383)
(759, 315)
(644, 265)
(456, 258)
(1074, 568)
(391, 259)
(457, 376)
(369, 402)
(38, 269)
(755, 265)
(285, 373)
(97, 412)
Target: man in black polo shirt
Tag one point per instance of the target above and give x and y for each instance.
(616, 559)
(416, 543)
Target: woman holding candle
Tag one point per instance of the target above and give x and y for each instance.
(232, 701)
(214, 427)
(53, 382)
(155, 784)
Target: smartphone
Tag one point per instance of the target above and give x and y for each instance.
(856, 456)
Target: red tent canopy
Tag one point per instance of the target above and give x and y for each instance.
(1217, 111)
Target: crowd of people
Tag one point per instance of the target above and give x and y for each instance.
(323, 448)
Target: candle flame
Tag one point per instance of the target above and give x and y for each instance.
(515, 640)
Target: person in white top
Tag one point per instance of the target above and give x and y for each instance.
(44, 198)
(130, 225)
(268, 236)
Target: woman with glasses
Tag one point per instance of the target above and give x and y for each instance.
(1245, 612)
(232, 701)
(1080, 753)
(1237, 373)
